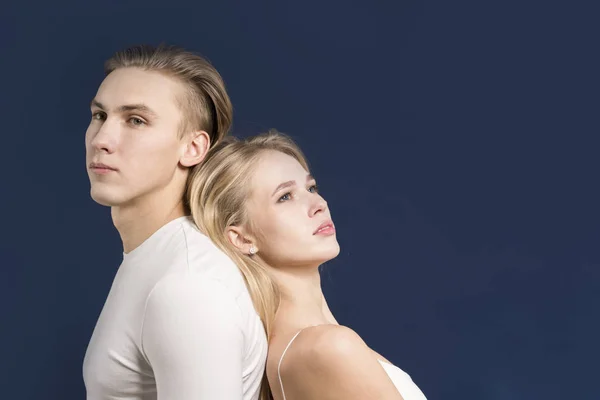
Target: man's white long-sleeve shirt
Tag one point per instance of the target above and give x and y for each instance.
(178, 324)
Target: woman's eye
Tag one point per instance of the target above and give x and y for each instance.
(313, 189)
(285, 197)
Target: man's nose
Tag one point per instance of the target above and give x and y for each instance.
(106, 138)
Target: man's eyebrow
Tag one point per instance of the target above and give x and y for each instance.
(96, 103)
(127, 107)
(137, 107)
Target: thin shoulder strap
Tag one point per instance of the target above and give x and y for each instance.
(281, 359)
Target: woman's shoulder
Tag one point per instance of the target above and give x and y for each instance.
(335, 360)
(323, 347)
(329, 339)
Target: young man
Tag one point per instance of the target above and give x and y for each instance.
(178, 322)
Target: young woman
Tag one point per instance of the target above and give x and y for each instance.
(257, 200)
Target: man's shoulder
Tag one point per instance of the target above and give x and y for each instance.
(181, 284)
(207, 296)
(201, 248)
(194, 257)
(191, 251)
(192, 262)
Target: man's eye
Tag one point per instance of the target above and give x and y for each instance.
(136, 121)
(99, 115)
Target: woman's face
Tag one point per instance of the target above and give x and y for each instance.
(290, 221)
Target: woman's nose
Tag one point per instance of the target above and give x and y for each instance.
(319, 205)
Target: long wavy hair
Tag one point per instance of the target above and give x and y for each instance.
(217, 195)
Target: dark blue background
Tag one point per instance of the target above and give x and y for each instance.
(456, 143)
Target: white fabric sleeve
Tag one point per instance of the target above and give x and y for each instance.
(193, 340)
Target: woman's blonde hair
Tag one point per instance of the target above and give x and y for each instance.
(217, 195)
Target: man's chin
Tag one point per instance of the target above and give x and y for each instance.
(105, 199)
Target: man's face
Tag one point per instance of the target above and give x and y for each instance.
(133, 145)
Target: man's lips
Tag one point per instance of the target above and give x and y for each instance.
(101, 169)
(101, 166)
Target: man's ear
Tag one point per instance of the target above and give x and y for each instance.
(244, 243)
(196, 147)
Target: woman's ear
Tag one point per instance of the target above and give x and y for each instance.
(244, 243)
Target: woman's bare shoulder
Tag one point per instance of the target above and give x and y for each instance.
(333, 360)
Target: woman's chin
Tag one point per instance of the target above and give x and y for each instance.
(330, 254)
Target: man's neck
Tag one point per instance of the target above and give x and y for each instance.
(137, 222)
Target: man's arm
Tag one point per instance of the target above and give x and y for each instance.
(193, 340)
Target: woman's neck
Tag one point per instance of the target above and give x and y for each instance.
(302, 299)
